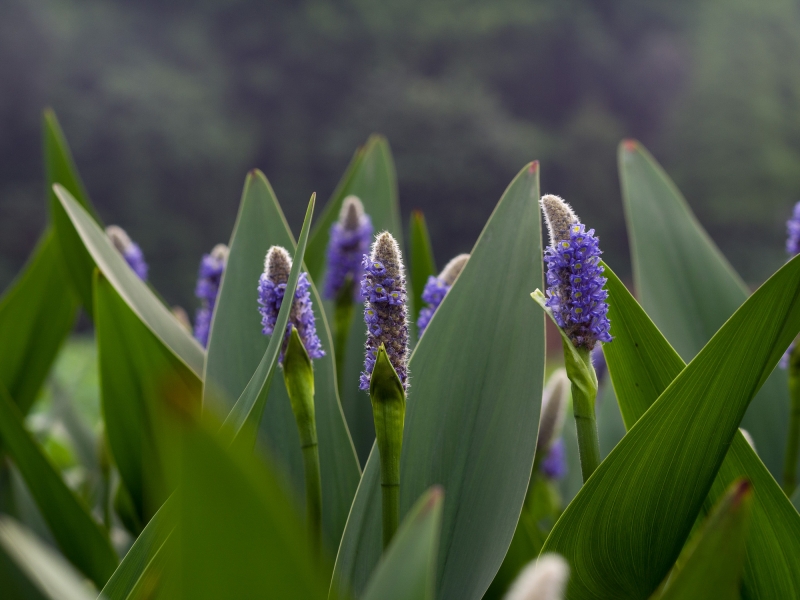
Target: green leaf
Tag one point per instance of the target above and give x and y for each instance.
(236, 531)
(80, 538)
(141, 557)
(52, 577)
(36, 316)
(133, 290)
(136, 372)
(711, 565)
(421, 263)
(640, 373)
(236, 345)
(60, 169)
(371, 177)
(408, 569)
(688, 287)
(625, 528)
(460, 429)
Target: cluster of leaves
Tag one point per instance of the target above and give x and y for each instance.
(200, 463)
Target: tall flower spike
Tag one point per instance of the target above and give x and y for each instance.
(349, 241)
(129, 249)
(212, 266)
(383, 287)
(542, 579)
(575, 291)
(271, 289)
(437, 287)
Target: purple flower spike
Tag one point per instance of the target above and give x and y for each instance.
(554, 466)
(271, 289)
(383, 287)
(349, 241)
(793, 232)
(212, 266)
(575, 291)
(437, 287)
(129, 249)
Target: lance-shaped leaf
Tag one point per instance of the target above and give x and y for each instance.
(711, 564)
(421, 264)
(47, 574)
(688, 287)
(640, 372)
(408, 569)
(246, 413)
(371, 177)
(136, 371)
(60, 169)
(488, 338)
(80, 538)
(36, 315)
(625, 528)
(150, 310)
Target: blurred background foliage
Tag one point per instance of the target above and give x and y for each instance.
(166, 105)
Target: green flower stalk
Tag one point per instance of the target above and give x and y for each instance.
(576, 301)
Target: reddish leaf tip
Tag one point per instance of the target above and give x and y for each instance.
(630, 145)
(533, 167)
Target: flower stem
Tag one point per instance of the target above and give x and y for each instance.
(298, 375)
(583, 381)
(793, 439)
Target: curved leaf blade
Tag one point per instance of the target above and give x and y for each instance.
(485, 413)
(421, 262)
(642, 500)
(688, 287)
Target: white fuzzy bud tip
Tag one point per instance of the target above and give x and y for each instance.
(453, 269)
(278, 264)
(554, 408)
(386, 250)
(559, 217)
(351, 214)
(220, 252)
(118, 238)
(543, 579)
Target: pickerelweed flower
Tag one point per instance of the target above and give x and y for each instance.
(575, 291)
(209, 276)
(129, 249)
(349, 241)
(271, 289)
(554, 466)
(383, 288)
(437, 287)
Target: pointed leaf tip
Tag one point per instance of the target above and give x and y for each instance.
(630, 145)
(533, 167)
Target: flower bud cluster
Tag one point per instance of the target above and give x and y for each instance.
(129, 249)
(209, 277)
(437, 287)
(349, 241)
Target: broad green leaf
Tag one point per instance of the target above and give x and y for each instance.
(51, 576)
(421, 264)
(36, 315)
(60, 169)
(236, 346)
(133, 290)
(472, 431)
(640, 372)
(625, 528)
(248, 410)
(711, 565)
(237, 534)
(408, 569)
(142, 556)
(371, 177)
(136, 372)
(80, 538)
(688, 287)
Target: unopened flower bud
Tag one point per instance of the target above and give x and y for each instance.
(349, 241)
(554, 410)
(129, 249)
(209, 277)
(437, 287)
(543, 579)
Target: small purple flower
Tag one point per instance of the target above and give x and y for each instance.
(130, 250)
(349, 241)
(437, 287)
(383, 287)
(271, 289)
(209, 277)
(554, 466)
(793, 232)
(575, 291)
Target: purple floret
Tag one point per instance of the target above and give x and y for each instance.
(575, 291)
(793, 232)
(270, 296)
(135, 258)
(433, 294)
(345, 250)
(554, 466)
(209, 277)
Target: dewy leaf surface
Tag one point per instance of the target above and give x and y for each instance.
(473, 408)
(79, 536)
(688, 287)
(133, 290)
(237, 345)
(625, 528)
(642, 364)
(371, 177)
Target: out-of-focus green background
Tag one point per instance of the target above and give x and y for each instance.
(167, 104)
